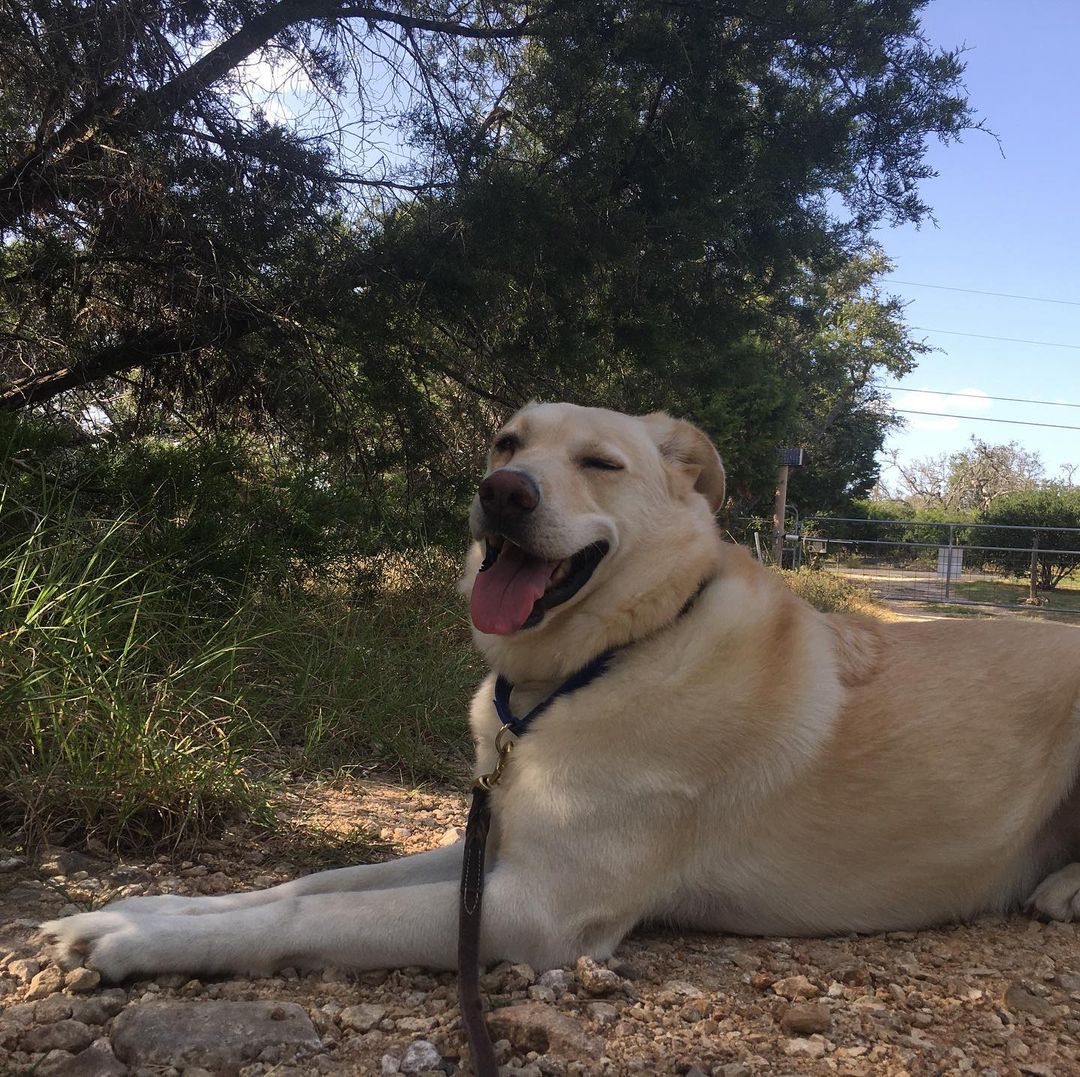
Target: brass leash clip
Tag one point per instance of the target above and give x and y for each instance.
(504, 745)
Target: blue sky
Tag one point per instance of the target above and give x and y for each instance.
(1008, 220)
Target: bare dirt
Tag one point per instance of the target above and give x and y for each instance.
(997, 997)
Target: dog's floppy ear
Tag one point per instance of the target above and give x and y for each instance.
(689, 451)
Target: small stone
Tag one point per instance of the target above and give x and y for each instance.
(54, 1008)
(91, 1011)
(53, 1061)
(603, 1013)
(805, 1020)
(682, 989)
(814, 1047)
(745, 960)
(389, 1064)
(518, 977)
(216, 1035)
(533, 1026)
(65, 1035)
(24, 969)
(45, 983)
(10, 863)
(97, 1060)
(540, 993)
(82, 979)
(597, 980)
(452, 836)
(1019, 999)
(732, 1069)
(363, 1017)
(1068, 981)
(1017, 1048)
(795, 987)
(559, 980)
(419, 1057)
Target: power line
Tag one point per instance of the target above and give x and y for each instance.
(985, 336)
(982, 419)
(983, 396)
(978, 291)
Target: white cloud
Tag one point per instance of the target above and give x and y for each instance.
(943, 405)
(274, 84)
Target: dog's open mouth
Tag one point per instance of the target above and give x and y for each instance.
(514, 588)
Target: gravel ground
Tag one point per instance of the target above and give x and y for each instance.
(998, 997)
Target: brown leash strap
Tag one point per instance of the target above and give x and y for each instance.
(481, 1050)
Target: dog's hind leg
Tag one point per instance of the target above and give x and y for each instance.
(1057, 897)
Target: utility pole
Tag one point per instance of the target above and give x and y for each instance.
(786, 459)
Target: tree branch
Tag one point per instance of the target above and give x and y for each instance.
(26, 186)
(139, 350)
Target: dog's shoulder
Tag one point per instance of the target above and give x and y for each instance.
(858, 645)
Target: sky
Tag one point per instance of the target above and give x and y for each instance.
(1008, 221)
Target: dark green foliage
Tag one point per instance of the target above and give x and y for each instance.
(611, 203)
(1050, 506)
(149, 699)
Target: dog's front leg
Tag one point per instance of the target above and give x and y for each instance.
(437, 865)
(414, 925)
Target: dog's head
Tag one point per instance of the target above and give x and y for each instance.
(587, 517)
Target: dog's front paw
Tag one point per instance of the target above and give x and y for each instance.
(115, 944)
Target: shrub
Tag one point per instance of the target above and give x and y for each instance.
(830, 593)
(1054, 508)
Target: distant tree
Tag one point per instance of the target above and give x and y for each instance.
(969, 480)
(1050, 506)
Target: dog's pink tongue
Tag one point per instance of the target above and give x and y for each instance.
(503, 595)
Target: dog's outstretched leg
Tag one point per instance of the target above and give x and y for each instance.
(386, 928)
(437, 865)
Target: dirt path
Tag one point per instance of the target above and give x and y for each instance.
(999, 997)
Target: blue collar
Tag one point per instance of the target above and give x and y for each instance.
(588, 673)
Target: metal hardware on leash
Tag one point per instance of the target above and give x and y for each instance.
(504, 745)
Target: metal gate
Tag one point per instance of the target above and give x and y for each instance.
(954, 563)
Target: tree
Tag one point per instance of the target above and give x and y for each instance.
(1051, 506)
(969, 480)
(858, 336)
(616, 202)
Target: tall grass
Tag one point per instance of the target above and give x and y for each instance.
(112, 717)
(380, 676)
(134, 709)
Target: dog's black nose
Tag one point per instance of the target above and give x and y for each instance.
(508, 495)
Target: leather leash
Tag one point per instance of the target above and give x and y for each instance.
(481, 1049)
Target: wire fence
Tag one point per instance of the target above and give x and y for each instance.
(953, 563)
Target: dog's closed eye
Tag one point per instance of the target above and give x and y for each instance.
(601, 463)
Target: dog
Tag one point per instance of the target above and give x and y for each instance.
(742, 764)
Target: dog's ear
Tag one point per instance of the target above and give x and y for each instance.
(689, 452)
